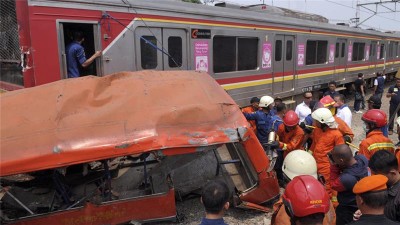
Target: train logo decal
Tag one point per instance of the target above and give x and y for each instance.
(266, 59)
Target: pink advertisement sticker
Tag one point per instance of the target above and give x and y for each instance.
(300, 54)
(331, 53)
(350, 53)
(201, 55)
(367, 52)
(378, 52)
(267, 56)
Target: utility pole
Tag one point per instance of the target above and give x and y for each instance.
(380, 3)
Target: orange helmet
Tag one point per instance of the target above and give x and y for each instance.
(290, 119)
(376, 117)
(326, 102)
(305, 195)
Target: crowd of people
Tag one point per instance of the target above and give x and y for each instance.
(325, 181)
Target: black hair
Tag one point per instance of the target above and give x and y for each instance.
(341, 97)
(343, 151)
(78, 35)
(214, 196)
(304, 93)
(376, 199)
(315, 218)
(254, 99)
(383, 161)
(360, 74)
(332, 82)
(280, 107)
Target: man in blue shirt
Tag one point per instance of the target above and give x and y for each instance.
(379, 85)
(394, 95)
(332, 89)
(215, 198)
(76, 56)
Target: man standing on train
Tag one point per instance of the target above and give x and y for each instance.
(75, 55)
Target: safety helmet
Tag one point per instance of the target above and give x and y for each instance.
(290, 119)
(327, 101)
(376, 117)
(323, 115)
(265, 101)
(299, 162)
(305, 195)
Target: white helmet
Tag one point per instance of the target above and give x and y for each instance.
(265, 101)
(299, 162)
(323, 115)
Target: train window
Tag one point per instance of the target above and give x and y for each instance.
(396, 51)
(382, 51)
(370, 49)
(234, 53)
(289, 49)
(343, 50)
(358, 51)
(278, 50)
(224, 54)
(316, 52)
(337, 50)
(247, 53)
(148, 53)
(373, 48)
(175, 51)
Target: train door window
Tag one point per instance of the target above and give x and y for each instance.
(343, 50)
(68, 32)
(316, 52)
(148, 53)
(382, 51)
(358, 51)
(373, 48)
(289, 50)
(370, 50)
(396, 45)
(175, 51)
(337, 50)
(278, 50)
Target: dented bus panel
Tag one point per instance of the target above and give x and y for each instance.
(107, 150)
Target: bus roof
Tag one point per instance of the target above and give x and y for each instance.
(92, 118)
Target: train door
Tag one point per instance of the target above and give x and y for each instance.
(91, 44)
(161, 49)
(372, 55)
(340, 59)
(284, 70)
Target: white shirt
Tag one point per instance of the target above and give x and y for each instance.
(344, 113)
(302, 110)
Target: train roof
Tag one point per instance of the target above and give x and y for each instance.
(218, 13)
(92, 118)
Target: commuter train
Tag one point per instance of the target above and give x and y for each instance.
(250, 51)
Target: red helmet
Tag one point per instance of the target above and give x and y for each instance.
(327, 101)
(376, 117)
(305, 195)
(290, 119)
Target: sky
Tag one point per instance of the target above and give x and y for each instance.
(341, 11)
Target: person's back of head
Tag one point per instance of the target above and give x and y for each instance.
(375, 102)
(215, 197)
(360, 75)
(281, 108)
(342, 155)
(306, 200)
(385, 163)
(78, 36)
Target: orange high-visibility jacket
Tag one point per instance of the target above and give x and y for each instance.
(343, 127)
(289, 141)
(280, 217)
(249, 109)
(323, 143)
(374, 142)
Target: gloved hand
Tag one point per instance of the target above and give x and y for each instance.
(308, 130)
(347, 138)
(274, 145)
(302, 125)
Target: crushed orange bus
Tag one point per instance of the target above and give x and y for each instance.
(107, 150)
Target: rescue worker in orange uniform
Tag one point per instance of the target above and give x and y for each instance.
(306, 201)
(328, 102)
(290, 133)
(253, 107)
(297, 163)
(325, 137)
(374, 119)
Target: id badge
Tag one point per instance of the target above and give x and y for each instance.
(395, 90)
